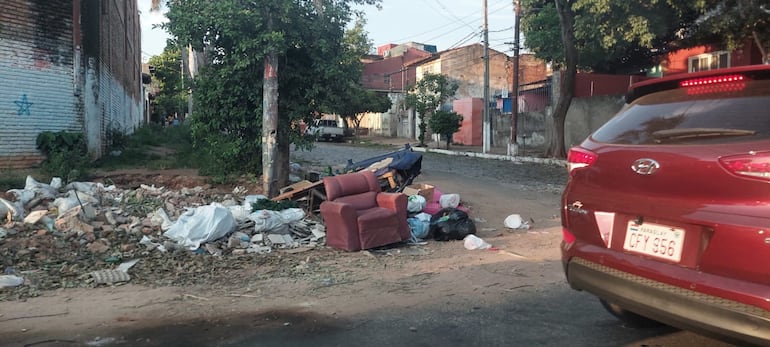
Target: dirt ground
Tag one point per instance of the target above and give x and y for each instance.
(322, 281)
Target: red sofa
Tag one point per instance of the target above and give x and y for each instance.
(358, 215)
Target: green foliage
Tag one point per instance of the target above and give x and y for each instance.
(171, 98)
(350, 100)
(427, 95)
(445, 123)
(731, 22)
(66, 154)
(267, 204)
(611, 36)
(306, 36)
(155, 147)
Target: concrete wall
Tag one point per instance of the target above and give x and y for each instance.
(61, 74)
(586, 115)
(393, 123)
(466, 66)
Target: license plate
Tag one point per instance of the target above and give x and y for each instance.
(655, 240)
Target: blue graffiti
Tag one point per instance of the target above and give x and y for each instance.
(23, 105)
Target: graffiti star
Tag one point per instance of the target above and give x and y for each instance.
(23, 105)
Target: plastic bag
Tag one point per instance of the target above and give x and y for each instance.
(16, 210)
(275, 222)
(201, 225)
(10, 281)
(418, 227)
(240, 212)
(415, 203)
(472, 242)
(451, 224)
(41, 190)
(160, 217)
(449, 200)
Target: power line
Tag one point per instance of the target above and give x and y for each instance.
(474, 16)
(452, 14)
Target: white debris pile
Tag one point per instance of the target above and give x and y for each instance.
(87, 228)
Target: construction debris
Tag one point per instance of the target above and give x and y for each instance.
(51, 235)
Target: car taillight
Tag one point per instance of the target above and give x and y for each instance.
(711, 80)
(715, 84)
(752, 165)
(579, 158)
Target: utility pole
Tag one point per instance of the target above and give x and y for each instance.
(486, 133)
(513, 146)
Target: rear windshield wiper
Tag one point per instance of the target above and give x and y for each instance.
(689, 133)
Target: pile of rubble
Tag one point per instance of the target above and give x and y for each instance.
(84, 234)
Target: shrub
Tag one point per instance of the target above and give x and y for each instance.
(66, 154)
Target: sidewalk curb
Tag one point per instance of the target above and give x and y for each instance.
(551, 161)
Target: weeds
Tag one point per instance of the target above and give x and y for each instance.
(154, 147)
(66, 154)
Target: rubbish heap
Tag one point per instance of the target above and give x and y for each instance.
(85, 233)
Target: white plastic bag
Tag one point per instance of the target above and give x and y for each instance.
(473, 242)
(449, 200)
(41, 190)
(10, 281)
(275, 222)
(201, 225)
(240, 212)
(515, 221)
(65, 204)
(16, 210)
(415, 203)
(22, 195)
(160, 217)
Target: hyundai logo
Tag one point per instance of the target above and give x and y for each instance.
(645, 166)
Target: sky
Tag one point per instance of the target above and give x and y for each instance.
(444, 23)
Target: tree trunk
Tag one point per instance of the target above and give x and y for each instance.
(283, 153)
(270, 177)
(762, 49)
(567, 89)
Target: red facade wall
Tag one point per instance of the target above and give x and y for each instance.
(472, 110)
(591, 84)
(676, 62)
(391, 73)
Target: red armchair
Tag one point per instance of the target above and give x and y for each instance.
(359, 216)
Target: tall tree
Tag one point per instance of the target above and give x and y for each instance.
(171, 97)
(611, 36)
(567, 91)
(351, 101)
(733, 21)
(250, 40)
(427, 95)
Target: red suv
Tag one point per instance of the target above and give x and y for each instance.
(666, 215)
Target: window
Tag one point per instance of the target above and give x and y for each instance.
(708, 61)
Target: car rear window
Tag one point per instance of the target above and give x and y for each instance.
(682, 116)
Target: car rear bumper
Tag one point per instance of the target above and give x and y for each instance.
(672, 305)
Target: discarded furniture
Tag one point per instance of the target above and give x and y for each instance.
(303, 191)
(358, 215)
(395, 170)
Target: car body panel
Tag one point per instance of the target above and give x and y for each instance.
(656, 202)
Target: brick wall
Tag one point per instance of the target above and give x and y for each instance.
(63, 74)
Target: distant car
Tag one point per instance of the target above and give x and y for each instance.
(666, 215)
(327, 129)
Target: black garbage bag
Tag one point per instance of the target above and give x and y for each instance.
(451, 224)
